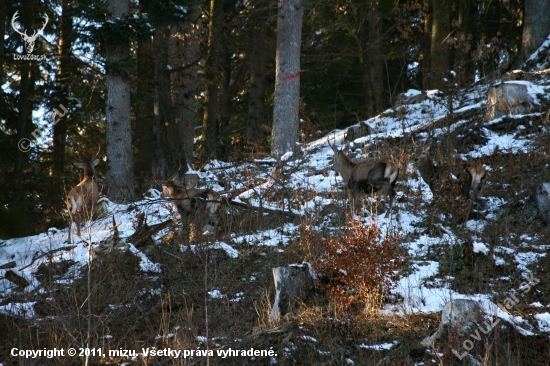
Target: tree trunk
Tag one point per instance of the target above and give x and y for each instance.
(144, 112)
(287, 79)
(536, 28)
(26, 84)
(425, 49)
(376, 57)
(464, 61)
(120, 158)
(163, 106)
(258, 71)
(211, 103)
(439, 53)
(63, 80)
(185, 50)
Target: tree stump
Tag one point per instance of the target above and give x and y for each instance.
(459, 317)
(538, 205)
(292, 283)
(508, 98)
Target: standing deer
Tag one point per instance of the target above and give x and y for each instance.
(432, 175)
(426, 165)
(476, 181)
(367, 176)
(81, 199)
(187, 200)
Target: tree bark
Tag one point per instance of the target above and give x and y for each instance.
(63, 80)
(144, 112)
(185, 51)
(376, 57)
(162, 105)
(211, 103)
(258, 72)
(120, 158)
(287, 79)
(536, 28)
(26, 84)
(439, 52)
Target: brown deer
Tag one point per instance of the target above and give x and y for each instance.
(476, 181)
(368, 176)
(81, 199)
(187, 200)
(433, 176)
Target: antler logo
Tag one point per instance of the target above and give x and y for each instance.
(29, 40)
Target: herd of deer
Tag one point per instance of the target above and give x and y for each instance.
(369, 176)
(366, 176)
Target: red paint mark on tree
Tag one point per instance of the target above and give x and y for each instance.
(292, 76)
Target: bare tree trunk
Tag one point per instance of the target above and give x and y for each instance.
(287, 80)
(536, 28)
(26, 84)
(439, 53)
(63, 80)
(185, 52)
(258, 71)
(211, 103)
(425, 48)
(120, 157)
(163, 106)
(144, 112)
(376, 58)
(464, 61)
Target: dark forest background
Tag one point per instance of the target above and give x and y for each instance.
(201, 78)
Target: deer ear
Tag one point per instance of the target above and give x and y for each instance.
(95, 162)
(80, 165)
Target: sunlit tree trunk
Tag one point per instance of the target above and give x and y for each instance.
(287, 79)
(120, 157)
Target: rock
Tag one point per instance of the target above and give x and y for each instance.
(508, 98)
(412, 96)
(459, 317)
(538, 205)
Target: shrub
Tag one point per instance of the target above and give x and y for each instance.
(360, 265)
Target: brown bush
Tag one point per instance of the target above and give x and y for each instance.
(360, 265)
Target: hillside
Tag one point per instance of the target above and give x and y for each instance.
(183, 287)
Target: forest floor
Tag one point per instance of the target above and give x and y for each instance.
(163, 282)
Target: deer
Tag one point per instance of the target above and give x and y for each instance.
(476, 181)
(81, 199)
(187, 200)
(432, 175)
(367, 176)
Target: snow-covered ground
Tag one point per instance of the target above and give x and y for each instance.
(306, 174)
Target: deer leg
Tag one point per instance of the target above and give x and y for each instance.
(77, 222)
(389, 196)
